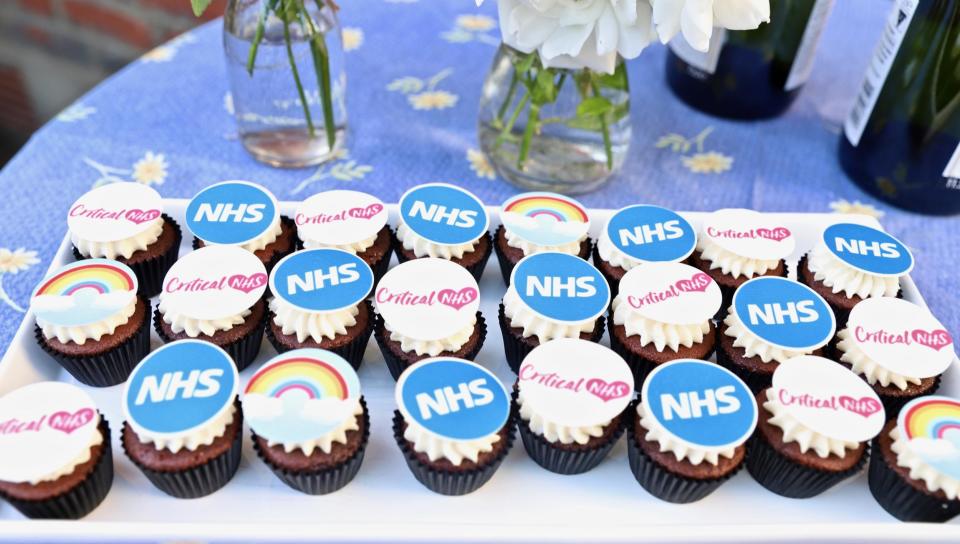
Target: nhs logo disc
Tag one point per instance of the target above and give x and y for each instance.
(651, 234)
(321, 280)
(868, 250)
(784, 313)
(444, 214)
(232, 212)
(561, 287)
(453, 399)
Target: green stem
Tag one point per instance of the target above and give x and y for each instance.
(257, 38)
(513, 120)
(604, 128)
(532, 122)
(296, 77)
(510, 92)
(321, 65)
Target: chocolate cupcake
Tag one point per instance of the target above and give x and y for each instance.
(642, 234)
(320, 301)
(571, 395)
(215, 294)
(899, 348)
(184, 425)
(771, 321)
(664, 312)
(444, 221)
(55, 456)
(91, 320)
(538, 222)
(687, 435)
(125, 222)
(428, 308)
(453, 424)
(310, 423)
(814, 429)
(551, 295)
(349, 220)
(244, 214)
(915, 466)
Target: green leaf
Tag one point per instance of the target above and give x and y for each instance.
(545, 89)
(200, 6)
(525, 63)
(595, 106)
(617, 80)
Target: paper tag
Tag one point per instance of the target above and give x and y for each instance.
(321, 280)
(444, 214)
(703, 62)
(671, 293)
(828, 399)
(232, 213)
(806, 52)
(931, 426)
(84, 292)
(561, 287)
(300, 396)
(868, 250)
(651, 234)
(700, 404)
(113, 212)
(339, 218)
(575, 383)
(428, 299)
(750, 234)
(784, 313)
(214, 282)
(44, 427)
(545, 219)
(952, 171)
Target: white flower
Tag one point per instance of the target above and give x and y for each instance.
(480, 165)
(151, 169)
(352, 38)
(17, 260)
(433, 100)
(708, 163)
(696, 19)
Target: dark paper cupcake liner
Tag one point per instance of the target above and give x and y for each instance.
(397, 365)
(893, 405)
(476, 270)
(515, 350)
(613, 282)
(243, 350)
(277, 255)
(444, 482)
(83, 498)
(352, 352)
(755, 381)
(109, 368)
(506, 267)
(324, 481)
(900, 499)
(381, 266)
(789, 479)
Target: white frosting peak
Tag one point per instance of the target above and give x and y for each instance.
(119, 248)
(354, 247)
(841, 277)
(529, 248)
(433, 347)
(805, 437)
(93, 331)
(202, 436)
(921, 470)
(662, 335)
(552, 431)
(753, 345)
(523, 317)
(82, 457)
(872, 370)
(325, 442)
(422, 247)
(315, 325)
(680, 450)
(268, 237)
(195, 327)
(612, 254)
(730, 263)
(454, 451)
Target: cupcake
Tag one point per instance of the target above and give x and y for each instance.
(664, 312)
(428, 308)
(244, 214)
(91, 320)
(915, 466)
(453, 424)
(571, 395)
(853, 262)
(642, 234)
(771, 321)
(347, 220)
(215, 294)
(55, 456)
(688, 433)
(551, 295)
(537, 222)
(320, 301)
(310, 423)
(898, 347)
(184, 425)
(815, 425)
(125, 222)
(443, 221)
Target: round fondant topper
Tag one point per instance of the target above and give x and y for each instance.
(828, 399)
(901, 337)
(750, 234)
(453, 399)
(232, 213)
(651, 234)
(84, 292)
(444, 214)
(701, 404)
(300, 396)
(868, 249)
(113, 212)
(428, 299)
(784, 313)
(44, 428)
(931, 426)
(179, 387)
(575, 383)
(321, 280)
(339, 218)
(672, 293)
(545, 219)
(214, 282)
(561, 287)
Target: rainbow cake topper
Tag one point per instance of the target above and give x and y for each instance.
(84, 292)
(931, 426)
(545, 219)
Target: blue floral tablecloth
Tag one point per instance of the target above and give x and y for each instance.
(166, 121)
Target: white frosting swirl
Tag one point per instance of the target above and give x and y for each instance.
(730, 263)
(662, 335)
(202, 436)
(529, 248)
(680, 450)
(454, 451)
(753, 345)
(872, 370)
(353, 247)
(433, 347)
(612, 255)
(119, 248)
(195, 327)
(523, 317)
(552, 431)
(315, 325)
(422, 247)
(82, 457)
(268, 237)
(839, 276)
(805, 437)
(921, 470)
(325, 442)
(79, 334)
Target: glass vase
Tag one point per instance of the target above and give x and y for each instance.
(553, 129)
(285, 64)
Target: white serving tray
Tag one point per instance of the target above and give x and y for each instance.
(521, 503)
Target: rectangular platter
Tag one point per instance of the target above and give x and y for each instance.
(521, 503)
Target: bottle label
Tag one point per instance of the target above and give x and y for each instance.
(952, 171)
(803, 62)
(886, 52)
(703, 64)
